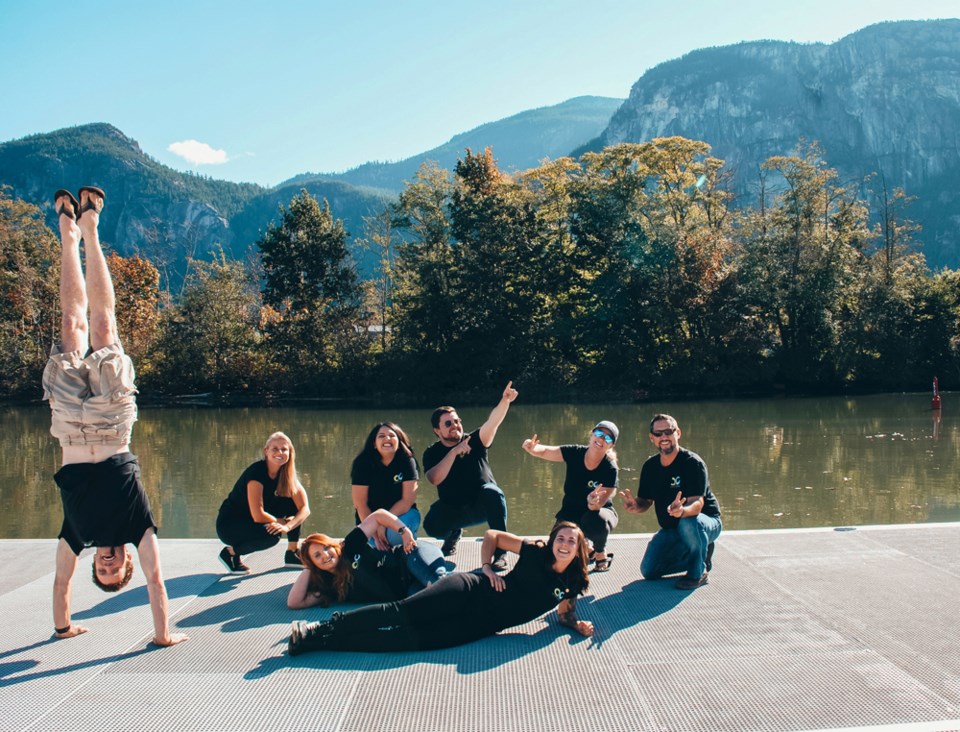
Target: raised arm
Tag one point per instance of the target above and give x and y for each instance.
(488, 430)
(494, 539)
(382, 517)
(532, 446)
(149, 551)
(66, 566)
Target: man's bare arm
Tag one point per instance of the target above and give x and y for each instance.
(149, 551)
(62, 584)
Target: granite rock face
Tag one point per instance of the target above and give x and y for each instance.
(884, 100)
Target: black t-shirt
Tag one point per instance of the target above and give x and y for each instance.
(384, 482)
(104, 504)
(580, 482)
(377, 576)
(275, 505)
(467, 475)
(687, 474)
(532, 588)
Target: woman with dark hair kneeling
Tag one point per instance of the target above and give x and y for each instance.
(384, 475)
(466, 606)
(353, 571)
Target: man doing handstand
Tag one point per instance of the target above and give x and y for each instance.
(88, 381)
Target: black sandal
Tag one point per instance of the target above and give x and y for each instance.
(92, 204)
(603, 565)
(69, 207)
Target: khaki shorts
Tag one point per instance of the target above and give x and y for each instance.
(92, 399)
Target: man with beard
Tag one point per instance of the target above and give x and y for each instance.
(675, 482)
(467, 491)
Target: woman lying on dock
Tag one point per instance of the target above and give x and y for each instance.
(353, 571)
(466, 606)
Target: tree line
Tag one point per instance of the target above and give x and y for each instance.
(625, 274)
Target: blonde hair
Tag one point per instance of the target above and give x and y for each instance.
(288, 482)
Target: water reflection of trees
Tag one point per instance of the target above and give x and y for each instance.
(773, 463)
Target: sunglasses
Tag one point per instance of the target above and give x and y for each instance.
(451, 422)
(661, 433)
(607, 438)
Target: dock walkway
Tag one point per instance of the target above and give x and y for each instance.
(797, 630)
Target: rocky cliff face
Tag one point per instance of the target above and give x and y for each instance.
(883, 100)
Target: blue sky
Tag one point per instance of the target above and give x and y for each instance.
(257, 91)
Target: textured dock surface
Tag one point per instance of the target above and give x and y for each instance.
(797, 630)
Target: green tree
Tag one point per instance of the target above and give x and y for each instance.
(29, 301)
(497, 235)
(650, 223)
(211, 340)
(425, 305)
(311, 282)
(803, 260)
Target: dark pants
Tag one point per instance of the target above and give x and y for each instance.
(597, 525)
(489, 507)
(244, 535)
(443, 615)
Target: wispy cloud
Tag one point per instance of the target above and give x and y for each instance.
(198, 153)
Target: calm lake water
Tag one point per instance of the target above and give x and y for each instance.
(774, 463)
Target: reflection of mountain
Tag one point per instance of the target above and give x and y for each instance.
(883, 100)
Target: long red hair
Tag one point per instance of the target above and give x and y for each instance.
(330, 587)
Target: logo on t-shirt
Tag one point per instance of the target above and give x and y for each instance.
(675, 481)
(398, 478)
(593, 484)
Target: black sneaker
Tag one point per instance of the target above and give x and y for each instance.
(449, 547)
(310, 636)
(292, 559)
(708, 561)
(233, 563)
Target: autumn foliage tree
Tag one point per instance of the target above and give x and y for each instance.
(29, 301)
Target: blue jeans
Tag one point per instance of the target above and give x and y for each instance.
(412, 520)
(426, 564)
(682, 549)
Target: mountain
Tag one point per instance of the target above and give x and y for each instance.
(158, 212)
(168, 216)
(519, 142)
(883, 100)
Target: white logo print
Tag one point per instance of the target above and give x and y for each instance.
(398, 478)
(675, 481)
